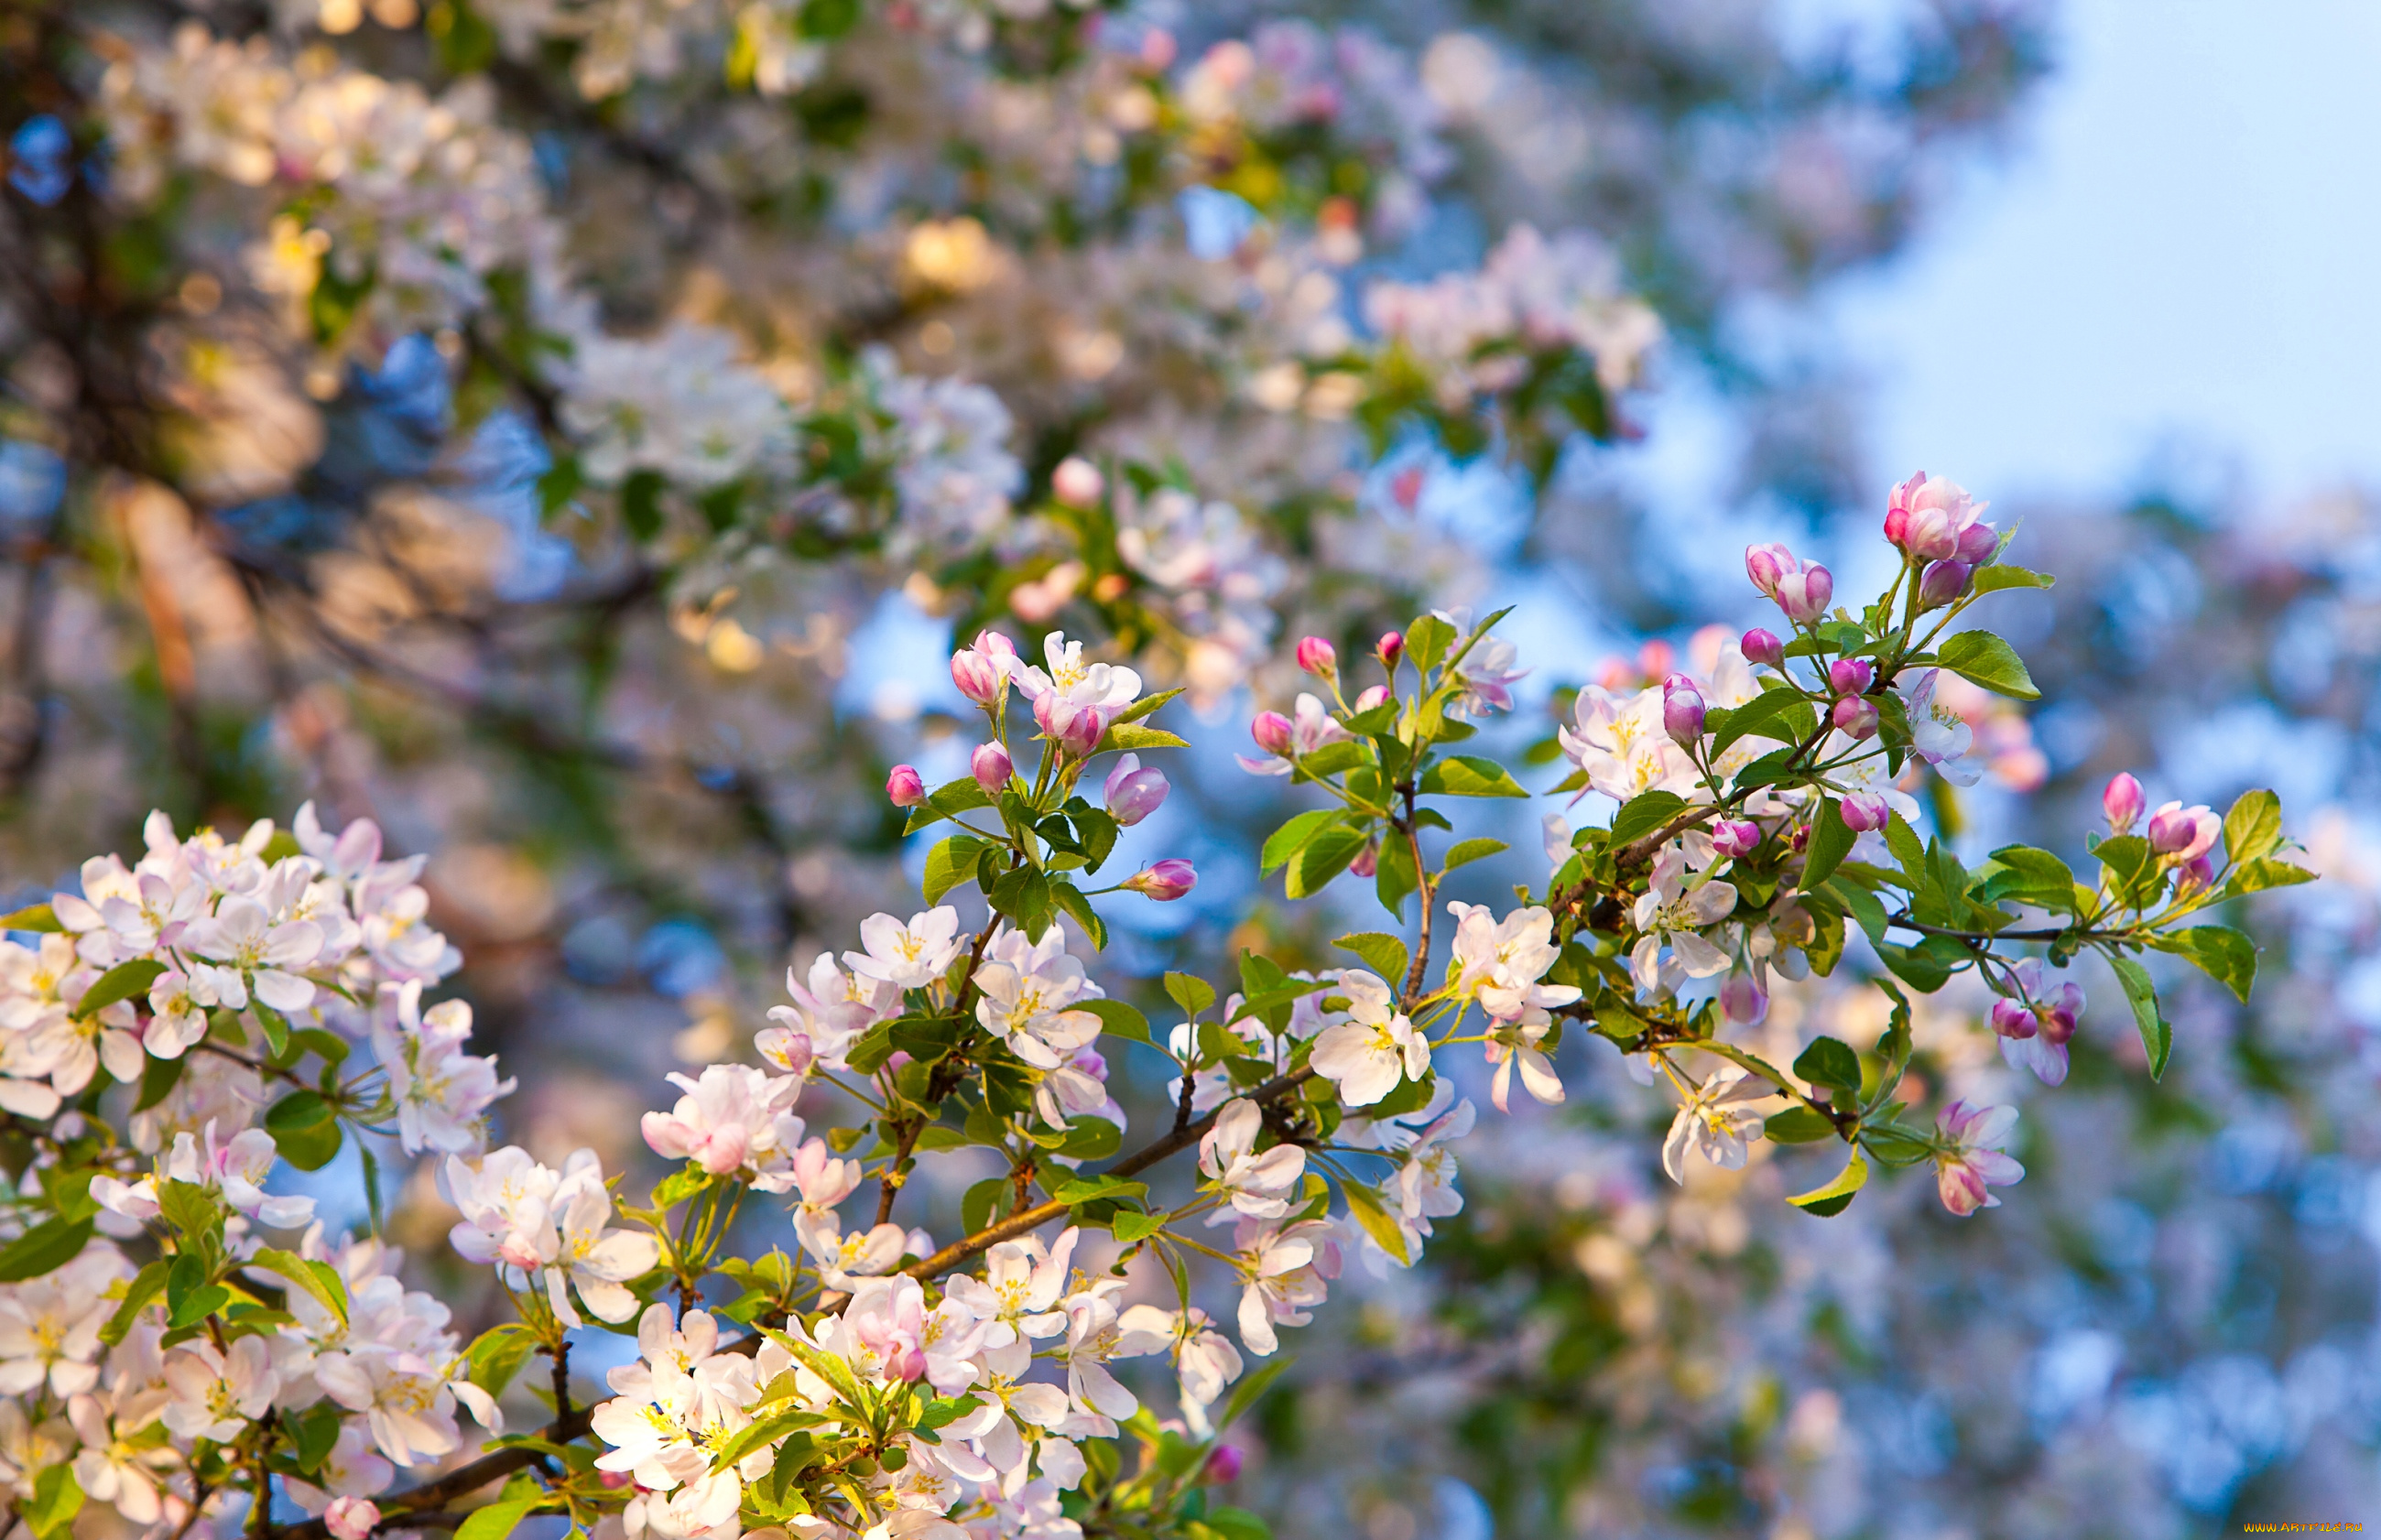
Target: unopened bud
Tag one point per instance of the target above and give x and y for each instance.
(1731, 837)
(1854, 716)
(1682, 710)
(1744, 1001)
(1367, 862)
(1391, 647)
(1071, 725)
(352, 1518)
(1132, 792)
(1165, 882)
(1768, 566)
(979, 677)
(1318, 657)
(1978, 543)
(1272, 731)
(2194, 875)
(1865, 812)
(2122, 801)
(1850, 676)
(1943, 582)
(1763, 647)
(990, 767)
(1804, 596)
(1077, 482)
(1372, 698)
(1224, 1463)
(905, 787)
(2014, 1019)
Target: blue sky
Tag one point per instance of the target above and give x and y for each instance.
(2178, 254)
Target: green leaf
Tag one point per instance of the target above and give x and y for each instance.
(305, 1129)
(1193, 994)
(1365, 1205)
(1148, 706)
(1644, 812)
(158, 1077)
(191, 1293)
(2222, 953)
(275, 1026)
(1762, 711)
(145, 1287)
(1983, 658)
(1333, 758)
(1837, 1196)
(2158, 1036)
(1831, 841)
(1396, 876)
(1236, 1523)
(2259, 875)
(1467, 776)
(1245, 1394)
(57, 1498)
(768, 1430)
(319, 1280)
(1465, 852)
(313, 1434)
(1084, 1190)
(951, 864)
(1130, 1225)
(32, 917)
(120, 983)
(1385, 954)
(1991, 580)
(1132, 735)
(1427, 641)
(1321, 859)
(499, 1519)
(949, 800)
(640, 510)
(1069, 898)
(2252, 830)
(1798, 1125)
(1119, 1019)
(1830, 1061)
(1861, 904)
(1286, 841)
(2031, 876)
(44, 1248)
(497, 1354)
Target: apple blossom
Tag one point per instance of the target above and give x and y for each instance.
(2123, 803)
(904, 788)
(1712, 1119)
(1131, 792)
(1804, 596)
(910, 956)
(1763, 647)
(1968, 1159)
(1167, 881)
(1257, 1185)
(2183, 834)
(1682, 710)
(991, 767)
(1375, 1050)
(1318, 657)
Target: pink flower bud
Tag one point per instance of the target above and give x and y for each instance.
(1272, 731)
(1732, 837)
(2056, 1014)
(1977, 544)
(1391, 647)
(1224, 1463)
(2194, 875)
(1367, 862)
(1760, 646)
(2013, 1019)
(1865, 812)
(1074, 727)
(1372, 698)
(1854, 716)
(1768, 566)
(1132, 792)
(905, 787)
(1682, 710)
(1944, 582)
(1318, 657)
(2122, 801)
(1744, 1000)
(1850, 676)
(1165, 882)
(352, 1518)
(1804, 596)
(2182, 832)
(990, 767)
(1077, 482)
(979, 677)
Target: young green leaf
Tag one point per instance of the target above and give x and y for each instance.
(1984, 658)
(2222, 953)
(2252, 830)
(1644, 812)
(1467, 775)
(1193, 994)
(2157, 1036)
(1383, 953)
(1836, 1195)
(1831, 841)
(1286, 841)
(120, 983)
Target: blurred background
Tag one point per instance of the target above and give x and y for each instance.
(2103, 263)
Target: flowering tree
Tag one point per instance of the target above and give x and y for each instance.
(877, 1385)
